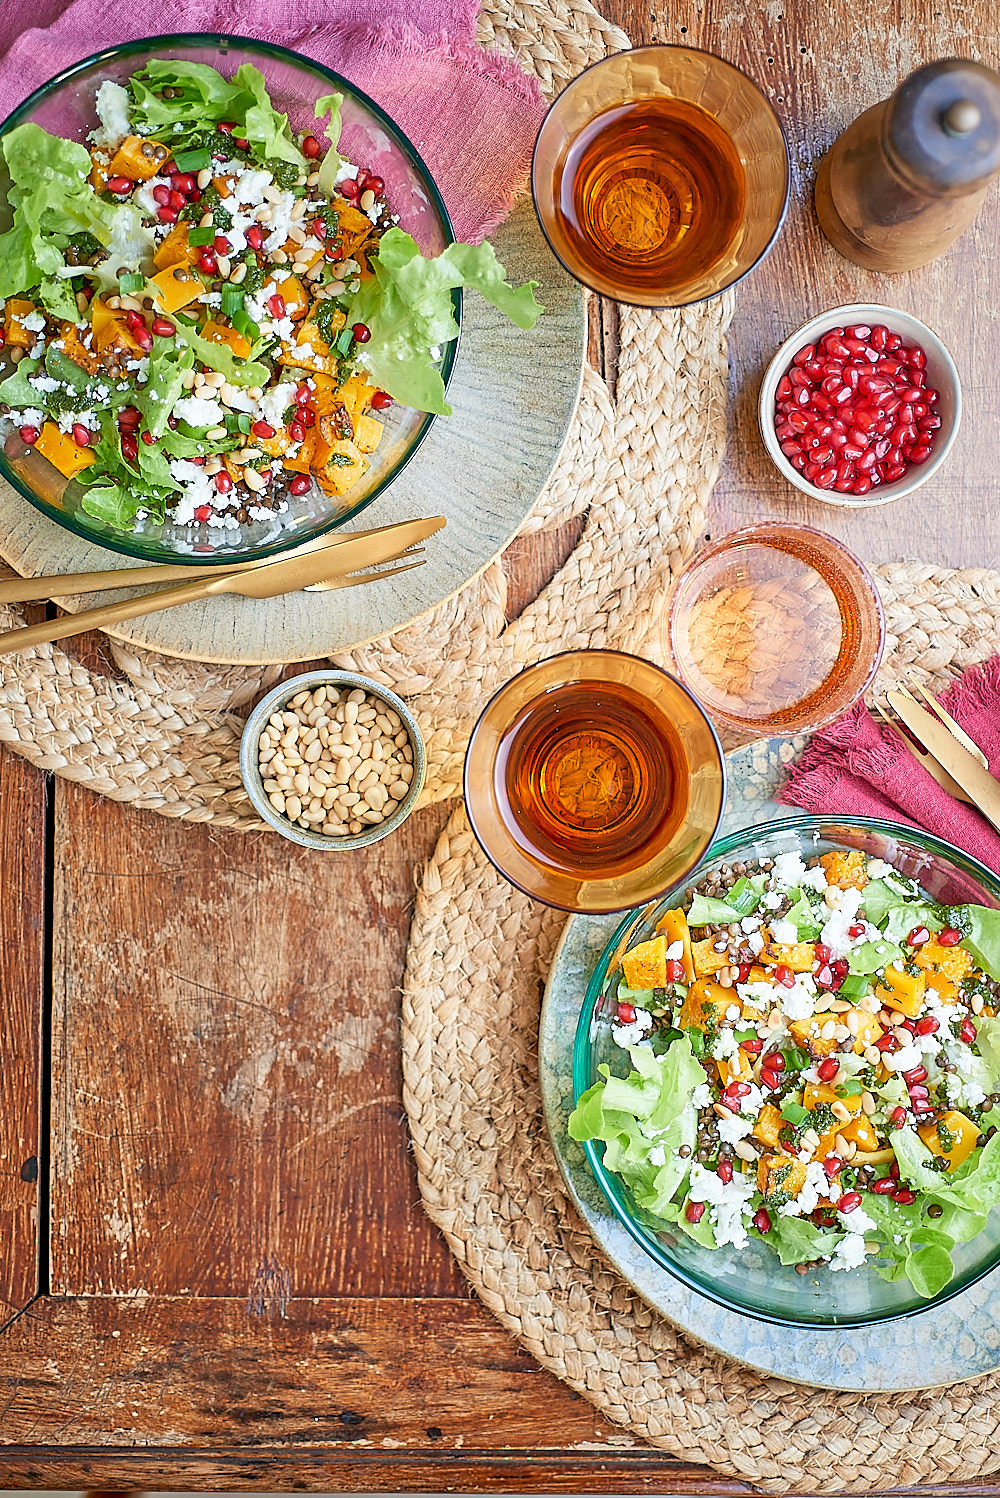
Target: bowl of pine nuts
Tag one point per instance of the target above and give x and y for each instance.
(332, 760)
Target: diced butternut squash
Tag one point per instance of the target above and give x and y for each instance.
(705, 1004)
(960, 1135)
(99, 172)
(768, 1126)
(325, 395)
(735, 1068)
(116, 343)
(869, 1031)
(674, 923)
(138, 158)
(944, 968)
(303, 460)
(858, 1132)
(845, 869)
(807, 1034)
(175, 249)
(778, 1174)
(901, 991)
(62, 451)
(309, 351)
(70, 344)
(798, 956)
(16, 335)
(295, 297)
(367, 434)
(817, 1094)
(706, 959)
(107, 331)
(177, 287)
(223, 186)
(274, 446)
(357, 396)
(217, 332)
(337, 476)
(646, 965)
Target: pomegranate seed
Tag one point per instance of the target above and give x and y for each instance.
(784, 389)
(674, 971)
(784, 976)
(198, 462)
(903, 1197)
(823, 952)
(202, 512)
(148, 438)
(255, 237)
(894, 1170)
(296, 431)
(918, 1074)
(824, 975)
(129, 416)
(166, 214)
(768, 1078)
(928, 1025)
(119, 185)
(949, 937)
(276, 305)
(762, 1220)
(375, 185)
(967, 1032)
(28, 435)
(724, 1170)
(262, 429)
(311, 147)
(207, 263)
(828, 1069)
(898, 1117)
(177, 200)
(743, 971)
(308, 417)
(849, 1201)
(220, 244)
(143, 338)
(81, 435)
(856, 930)
(626, 1013)
(163, 327)
(300, 484)
(349, 189)
(919, 936)
(739, 1089)
(775, 1060)
(130, 448)
(907, 1024)
(184, 182)
(833, 1165)
(841, 967)
(135, 320)
(752, 1047)
(161, 194)
(362, 332)
(919, 1096)
(238, 140)
(226, 127)
(223, 482)
(887, 1042)
(883, 1186)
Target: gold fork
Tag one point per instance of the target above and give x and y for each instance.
(955, 729)
(921, 755)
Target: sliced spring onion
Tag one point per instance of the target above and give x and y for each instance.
(232, 300)
(129, 281)
(344, 341)
(244, 323)
(199, 236)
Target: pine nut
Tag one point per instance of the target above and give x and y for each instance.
(239, 275)
(204, 177)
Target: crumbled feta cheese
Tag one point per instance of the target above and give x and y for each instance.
(67, 420)
(799, 1002)
(877, 868)
(658, 1155)
(788, 870)
(702, 1095)
(112, 105)
(772, 899)
(750, 923)
(634, 1033)
(757, 995)
(733, 1012)
(814, 878)
(755, 942)
(199, 412)
(43, 383)
(834, 933)
(906, 1058)
(815, 1185)
(785, 932)
(33, 321)
(675, 951)
(849, 1253)
(734, 1128)
(726, 1203)
(725, 1044)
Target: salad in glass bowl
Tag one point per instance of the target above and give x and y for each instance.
(812, 1048)
(211, 316)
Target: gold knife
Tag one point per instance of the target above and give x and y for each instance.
(69, 584)
(956, 759)
(260, 582)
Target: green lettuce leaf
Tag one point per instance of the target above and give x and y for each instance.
(330, 104)
(15, 390)
(904, 918)
(407, 306)
(263, 125)
(797, 1241)
(802, 917)
(202, 97)
(980, 929)
(164, 385)
(706, 910)
(871, 955)
(219, 356)
(929, 1269)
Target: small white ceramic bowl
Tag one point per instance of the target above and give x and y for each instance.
(942, 375)
(275, 701)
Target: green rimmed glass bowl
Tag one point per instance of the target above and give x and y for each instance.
(752, 1280)
(65, 106)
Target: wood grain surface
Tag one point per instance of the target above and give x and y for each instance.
(239, 1286)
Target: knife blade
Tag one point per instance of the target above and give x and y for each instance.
(953, 756)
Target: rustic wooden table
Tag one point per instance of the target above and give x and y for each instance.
(216, 1268)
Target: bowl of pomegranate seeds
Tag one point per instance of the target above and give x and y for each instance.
(860, 406)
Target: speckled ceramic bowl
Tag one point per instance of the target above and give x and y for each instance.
(275, 701)
(752, 1280)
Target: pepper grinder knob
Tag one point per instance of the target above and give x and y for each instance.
(910, 174)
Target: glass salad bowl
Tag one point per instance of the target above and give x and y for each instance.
(65, 106)
(752, 1280)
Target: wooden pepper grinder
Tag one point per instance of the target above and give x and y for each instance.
(910, 174)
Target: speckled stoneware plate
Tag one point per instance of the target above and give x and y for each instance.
(513, 395)
(944, 1345)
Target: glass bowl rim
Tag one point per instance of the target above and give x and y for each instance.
(760, 531)
(594, 1150)
(538, 665)
(208, 40)
(779, 223)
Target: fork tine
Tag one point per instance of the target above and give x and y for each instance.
(955, 729)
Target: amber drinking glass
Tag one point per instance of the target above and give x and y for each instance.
(594, 781)
(660, 176)
(778, 629)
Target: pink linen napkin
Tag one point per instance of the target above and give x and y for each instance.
(858, 767)
(472, 115)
